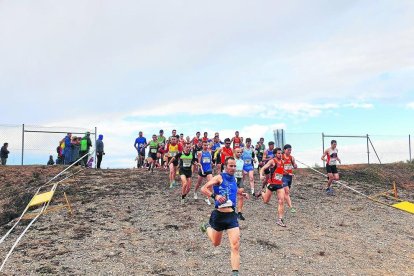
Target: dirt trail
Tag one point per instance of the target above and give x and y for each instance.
(129, 222)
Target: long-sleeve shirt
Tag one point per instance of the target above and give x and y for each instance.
(99, 146)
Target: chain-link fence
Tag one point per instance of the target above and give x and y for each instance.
(29, 145)
(358, 149)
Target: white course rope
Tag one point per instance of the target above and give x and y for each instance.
(337, 181)
(44, 207)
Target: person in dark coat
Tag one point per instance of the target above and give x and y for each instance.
(4, 154)
(99, 151)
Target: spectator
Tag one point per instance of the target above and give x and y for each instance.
(50, 162)
(68, 149)
(99, 151)
(4, 153)
(75, 149)
(85, 145)
(59, 151)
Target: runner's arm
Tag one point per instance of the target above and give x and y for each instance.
(295, 166)
(266, 166)
(208, 187)
(325, 153)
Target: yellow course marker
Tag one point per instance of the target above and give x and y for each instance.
(41, 198)
(405, 206)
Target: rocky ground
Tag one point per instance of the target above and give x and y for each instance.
(127, 222)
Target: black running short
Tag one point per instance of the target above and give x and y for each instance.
(205, 173)
(175, 162)
(153, 156)
(185, 172)
(218, 159)
(274, 187)
(239, 182)
(220, 221)
(331, 169)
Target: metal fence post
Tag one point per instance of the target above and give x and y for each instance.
(22, 143)
(368, 147)
(409, 145)
(96, 139)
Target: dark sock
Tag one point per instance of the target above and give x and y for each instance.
(183, 196)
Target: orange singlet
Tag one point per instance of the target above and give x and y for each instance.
(236, 142)
(225, 152)
(288, 164)
(276, 178)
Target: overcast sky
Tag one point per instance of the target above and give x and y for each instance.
(123, 66)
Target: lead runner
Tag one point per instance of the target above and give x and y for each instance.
(224, 217)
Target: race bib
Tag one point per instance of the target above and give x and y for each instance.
(236, 144)
(288, 167)
(278, 176)
(206, 160)
(238, 174)
(172, 154)
(228, 203)
(332, 162)
(153, 150)
(247, 161)
(186, 163)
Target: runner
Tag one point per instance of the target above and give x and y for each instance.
(216, 144)
(173, 134)
(139, 145)
(242, 145)
(186, 159)
(289, 165)
(224, 152)
(161, 146)
(239, 178)
(204, 158)
(275, 183)
(248, 168)
(181, 140)
(196, 149)
(196, 138)
(152, 155)
(267, 155)
(236, 140)
(205, 138)
(331, 158)
(172, 149)
(260, 148)
(223, 217)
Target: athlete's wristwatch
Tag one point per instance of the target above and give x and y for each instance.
(213, 196)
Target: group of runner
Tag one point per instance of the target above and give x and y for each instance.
(233, 161)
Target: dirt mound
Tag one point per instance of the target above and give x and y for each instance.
(129, 222)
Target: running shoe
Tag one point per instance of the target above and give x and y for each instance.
(182, 201)
(171, 185)
(330, 191)
(204, 227)
(207, 201)
(195, 196)
(280, 222)
(292, 210)
(240, 216)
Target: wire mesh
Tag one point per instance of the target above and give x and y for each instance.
(34, 144)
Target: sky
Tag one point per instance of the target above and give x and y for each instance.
(338, 67)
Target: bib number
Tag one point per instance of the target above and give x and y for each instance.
(186, 163)
(153, 150)
(247, 161)
(206, 160)
(238, 174)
